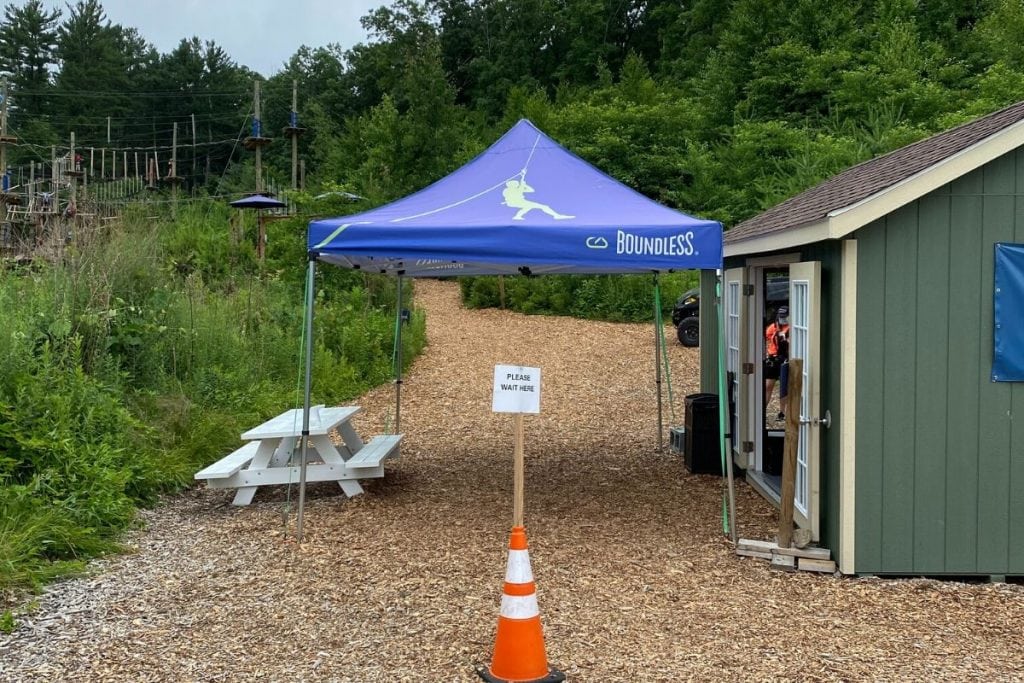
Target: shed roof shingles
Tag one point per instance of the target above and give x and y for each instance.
(872, 176)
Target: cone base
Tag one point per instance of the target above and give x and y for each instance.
(554, 676)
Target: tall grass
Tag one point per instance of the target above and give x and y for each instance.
(141, 353)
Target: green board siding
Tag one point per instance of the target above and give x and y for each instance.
(708, 333)
(930, 407)
(962, 387)
(940, 466)
(870, 319)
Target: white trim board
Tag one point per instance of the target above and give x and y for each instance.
(843, 221)
(848, 409)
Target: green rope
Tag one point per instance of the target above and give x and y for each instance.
(298, 402)
(722, 396)
(660, 321)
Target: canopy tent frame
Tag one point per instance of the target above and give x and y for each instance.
(307, 394)
(460, 225)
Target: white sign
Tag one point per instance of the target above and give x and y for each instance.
(516, 389)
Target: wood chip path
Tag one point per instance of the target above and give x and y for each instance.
(636, 582)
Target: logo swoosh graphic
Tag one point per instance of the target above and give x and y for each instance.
(597, 243)
(337, 232)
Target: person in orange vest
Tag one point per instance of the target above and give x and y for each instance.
(776, 344)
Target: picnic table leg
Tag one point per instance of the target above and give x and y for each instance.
(283, 454)
(260, 461)
(352, 441)
(330, 455)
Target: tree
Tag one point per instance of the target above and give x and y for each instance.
(28, 42)
(90, 48)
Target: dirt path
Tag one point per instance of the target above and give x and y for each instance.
(636, 582)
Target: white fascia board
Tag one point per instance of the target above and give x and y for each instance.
(775, 241)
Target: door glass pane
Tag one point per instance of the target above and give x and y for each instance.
(732, 332)
(799, 334)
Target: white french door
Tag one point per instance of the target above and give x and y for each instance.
(735, 353)
(805, 344)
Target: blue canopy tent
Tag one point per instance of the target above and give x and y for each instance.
(525, 205)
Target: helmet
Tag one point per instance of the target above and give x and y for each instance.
(782, 315)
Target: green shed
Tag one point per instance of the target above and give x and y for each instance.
(910, 460)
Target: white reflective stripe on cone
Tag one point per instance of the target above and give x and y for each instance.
(518, 570)
(519, 606)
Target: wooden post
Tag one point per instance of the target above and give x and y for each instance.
(53, 177)
(174, 170)
(137, 176)
(3, 131)
(103, 163)
(174, 151)
(259, 134)
(31, 185)
(193, 150)
(519, 467)
(113, 164)
(789, 448)
(261, 236)
(302, 174)
(108, 130)
(501, 291)
(295, 137)
(124, 165)
(209, 139)
(71, 160)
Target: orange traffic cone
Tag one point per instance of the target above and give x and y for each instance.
(519, 655)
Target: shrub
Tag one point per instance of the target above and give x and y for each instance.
(142, 354)
(618, 298)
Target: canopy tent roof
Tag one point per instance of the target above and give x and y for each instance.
(258, 201)
(524, 205)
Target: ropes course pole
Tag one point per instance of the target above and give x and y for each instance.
(657, 357)
(398, 357)
(310, 278)
(723, 408)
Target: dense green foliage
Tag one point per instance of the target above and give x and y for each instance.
(143, 355)
(619, 298)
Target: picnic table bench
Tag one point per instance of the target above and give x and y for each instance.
(268, 456)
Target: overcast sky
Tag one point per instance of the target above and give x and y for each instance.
(261, 34)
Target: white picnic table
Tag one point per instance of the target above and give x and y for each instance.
(267, 458)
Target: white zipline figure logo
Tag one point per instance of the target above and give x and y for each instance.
(514, 194)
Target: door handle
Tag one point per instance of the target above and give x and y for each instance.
(825, 421)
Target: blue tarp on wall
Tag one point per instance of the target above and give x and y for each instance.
(524, 205)
(1008, 356)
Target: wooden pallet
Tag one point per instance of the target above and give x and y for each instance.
(788, 559)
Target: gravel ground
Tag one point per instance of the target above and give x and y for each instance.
(635, 580)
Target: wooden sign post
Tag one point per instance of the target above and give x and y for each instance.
(519, 472)
(517, 391)
(789, 448)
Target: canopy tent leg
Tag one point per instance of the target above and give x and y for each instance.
(723, 410)
(398, 358)
(657, 359)
(310, 278)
